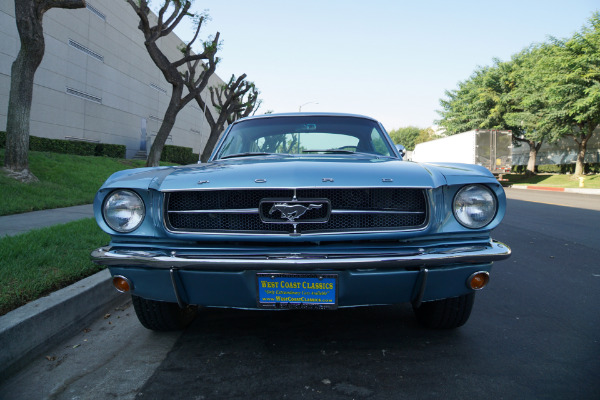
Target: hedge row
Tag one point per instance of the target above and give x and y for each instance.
(179, 155)
(172, 154)
(589, 168)
(71, 147)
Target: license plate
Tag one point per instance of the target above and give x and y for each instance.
(302, 291)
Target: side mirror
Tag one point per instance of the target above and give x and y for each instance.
(401, 150)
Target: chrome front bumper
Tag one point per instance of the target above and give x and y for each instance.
(421, 257)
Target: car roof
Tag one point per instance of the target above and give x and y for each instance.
(306, 114)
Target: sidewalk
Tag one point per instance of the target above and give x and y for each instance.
(28, 331)
(11, 225)
(557, 189)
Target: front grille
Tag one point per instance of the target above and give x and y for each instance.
(368, 209)
(222, 199)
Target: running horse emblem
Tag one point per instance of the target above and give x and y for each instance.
(292, 211)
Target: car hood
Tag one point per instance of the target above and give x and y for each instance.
(290, 172)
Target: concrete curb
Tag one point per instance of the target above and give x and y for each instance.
(28, 331)
(557, 189)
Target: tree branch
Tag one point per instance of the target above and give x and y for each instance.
(180, 15)
(70, 4)
(229, 101)
(206, 54)
(142, 11)
(188, 48)
(161, 13)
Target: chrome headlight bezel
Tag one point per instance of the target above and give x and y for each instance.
(475, 206)
(123, 201)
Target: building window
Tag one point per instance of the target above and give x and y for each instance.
(85, 50)
(95, 11)
(83, 95)
(156, 87)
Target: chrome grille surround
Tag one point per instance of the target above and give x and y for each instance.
(368, 210)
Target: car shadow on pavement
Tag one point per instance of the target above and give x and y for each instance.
(347, 353)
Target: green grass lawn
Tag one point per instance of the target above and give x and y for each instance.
(65, 180)
(39, 262)
(554, 180)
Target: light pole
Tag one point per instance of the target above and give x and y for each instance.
(310, 102)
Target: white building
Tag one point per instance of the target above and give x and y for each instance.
(97, 82)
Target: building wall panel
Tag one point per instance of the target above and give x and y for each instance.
(124, 84)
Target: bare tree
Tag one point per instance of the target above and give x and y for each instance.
(234, 100)
(29, 15)
(196, 73)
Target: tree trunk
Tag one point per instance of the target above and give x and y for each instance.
(533, 150)
(531, 163)
(580, 160)
(581, 157)
(17, 123)
(216, 127)
(213, 138)
(175, 105)
(579, 166)
(160, 140)
(29, 25)
(28, 16)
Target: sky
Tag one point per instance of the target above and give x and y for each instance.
(391, 60)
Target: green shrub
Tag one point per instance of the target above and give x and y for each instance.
(589, 168)
(71, 147)
(110, 150)
(62, 146)
(179, 155)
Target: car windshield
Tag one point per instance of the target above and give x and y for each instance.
(305, 135)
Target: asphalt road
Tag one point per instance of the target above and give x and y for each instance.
(565, 199)
(534, 334)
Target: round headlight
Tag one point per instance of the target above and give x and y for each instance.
(123, 211)
(474, 206)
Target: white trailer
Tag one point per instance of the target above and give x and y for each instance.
(489, 148)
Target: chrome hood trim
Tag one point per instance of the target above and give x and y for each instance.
(262, 172)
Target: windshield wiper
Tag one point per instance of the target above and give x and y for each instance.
(330, 151)
(340, 151)
(248, 154)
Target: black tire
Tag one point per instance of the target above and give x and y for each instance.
(163, 316)
(446, 313)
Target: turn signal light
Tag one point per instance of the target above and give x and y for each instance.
(478, 280)
(121, 283)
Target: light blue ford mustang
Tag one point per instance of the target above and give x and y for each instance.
(309, 211)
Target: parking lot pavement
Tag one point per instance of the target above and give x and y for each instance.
(588, 201)
(109, 357)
